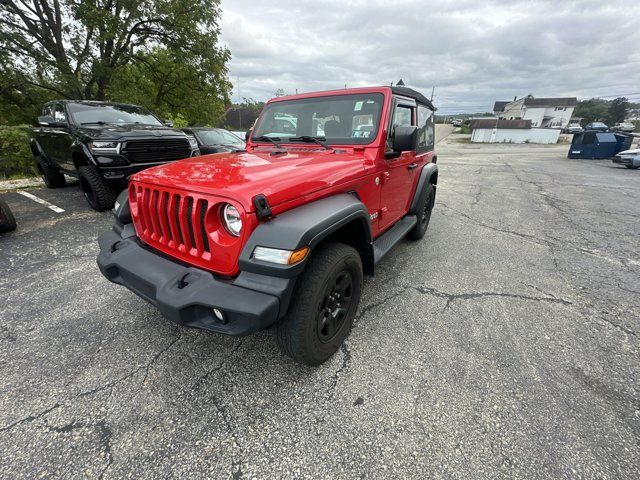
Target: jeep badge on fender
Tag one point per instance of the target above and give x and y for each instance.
(280, 235)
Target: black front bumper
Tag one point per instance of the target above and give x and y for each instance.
(188, 295)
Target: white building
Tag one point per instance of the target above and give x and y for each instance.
(543, 112)
(494, 130)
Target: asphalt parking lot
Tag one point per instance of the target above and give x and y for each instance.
(503, 345)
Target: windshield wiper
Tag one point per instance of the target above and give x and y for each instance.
(264, 138)
(309, 139)
(99, 122)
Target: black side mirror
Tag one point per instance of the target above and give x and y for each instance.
(246, 135)
(168, 123)
(47, 121)
(405, 138)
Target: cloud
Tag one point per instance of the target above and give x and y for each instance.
(472, 52)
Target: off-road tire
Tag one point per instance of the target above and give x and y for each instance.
(52, 177)
(425, 206)
(7, 220)
(100, 195)
(299, 333)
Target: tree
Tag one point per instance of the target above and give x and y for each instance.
(76, 48)
(160, 81)
(280, 92)
(242, 116)
(599, 110)
(618, 110)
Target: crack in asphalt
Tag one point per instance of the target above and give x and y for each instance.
(109, 385)
(532, 238)
(346, 363)
(556, 243)
(223, 362)
(452, 297)
(30, 418)
(236, 464)
(346, 352)
(105, 433)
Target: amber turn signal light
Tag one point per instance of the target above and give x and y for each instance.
(298, 255)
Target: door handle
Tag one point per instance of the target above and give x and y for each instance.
(411, 166)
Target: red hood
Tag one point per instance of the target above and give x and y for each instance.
(241, 176)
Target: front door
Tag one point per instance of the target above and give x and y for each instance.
(61, 139)
(399, 174)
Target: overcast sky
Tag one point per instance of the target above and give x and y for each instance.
(474, 52)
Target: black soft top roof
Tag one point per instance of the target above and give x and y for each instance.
(411, 93)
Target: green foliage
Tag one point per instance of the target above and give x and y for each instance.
(242, 117)
(169, 84)
(16, 158)
(618, 110)
(161, 54)
(599, 110)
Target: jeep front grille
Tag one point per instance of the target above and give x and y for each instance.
(160, 150)
(175, 221)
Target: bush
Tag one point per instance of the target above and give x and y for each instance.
(16, 159)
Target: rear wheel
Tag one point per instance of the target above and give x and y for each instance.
(7, 221)
(323, 305)
(100, 195)
(52, 177)
(424, 213)
(633, 167)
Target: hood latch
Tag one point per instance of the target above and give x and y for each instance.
(261, 204)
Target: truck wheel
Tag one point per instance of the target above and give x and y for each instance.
(98, 193)
(633, 167)
(424, 213)
(323, 305)
(7, 221)
(52, 177)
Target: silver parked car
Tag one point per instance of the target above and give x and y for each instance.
(624, 127)
(628, 158)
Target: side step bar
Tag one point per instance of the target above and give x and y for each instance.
(388, 239)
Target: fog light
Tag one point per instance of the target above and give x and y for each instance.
(219, 315)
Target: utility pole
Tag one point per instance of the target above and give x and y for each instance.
(239, 107)
(432, 90)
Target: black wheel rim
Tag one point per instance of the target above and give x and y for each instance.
(334, 305)
(426, 211)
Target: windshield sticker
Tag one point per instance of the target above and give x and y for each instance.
(358, 106)
(360, 134)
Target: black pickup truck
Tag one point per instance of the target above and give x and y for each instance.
(103, 144)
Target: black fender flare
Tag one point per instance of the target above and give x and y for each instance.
(35, 147)
(80, 148)
(307, 226)
(426, 176)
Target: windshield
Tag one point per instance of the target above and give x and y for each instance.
(217, 137)
(84, 114)
(341, 119)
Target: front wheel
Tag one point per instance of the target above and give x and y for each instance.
(52, 177)
(424, 213)
(100, 195)
(323, 305)
(7, 220)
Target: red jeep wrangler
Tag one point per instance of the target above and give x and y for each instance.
(279, 235)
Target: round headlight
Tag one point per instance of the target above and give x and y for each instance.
(232, 219)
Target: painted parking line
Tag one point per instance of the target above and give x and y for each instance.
(51, 206)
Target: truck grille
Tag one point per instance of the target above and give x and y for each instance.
(172, 221)
(160, 150)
